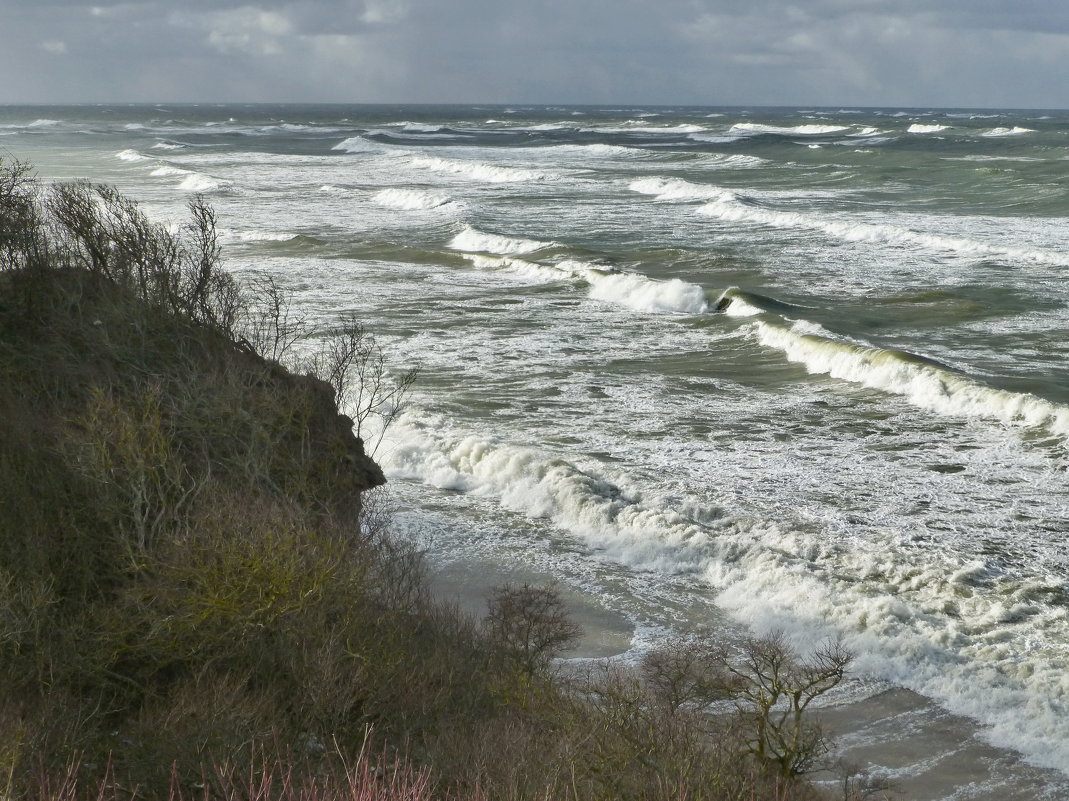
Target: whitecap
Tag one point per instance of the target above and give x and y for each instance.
(476, 241)
(130, 155)
(168, 171)
(918, 128)
(729, 209)
(922, 383)
(1015, 131)
(358, 144)
(756, 129)
(410, 199)
(480, 171)
(678, 189)
(200, 183)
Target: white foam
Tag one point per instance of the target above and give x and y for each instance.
(476, 241)
(410, 199)
(678, 189)
(889, 600)
(197, 182)
(728, 208)
(358, 144)
(640, 127)
(737, 307)
(639, 292)
(478, 171)
(260, 236)
(168, 171)
(167, 146)
(919, 128)
(632, 290)
(756, 129)
(922, 384)
(130, 155)
(519, 267)
(1015, 131)
(612, 515)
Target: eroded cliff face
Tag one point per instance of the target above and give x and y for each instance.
(156, 408)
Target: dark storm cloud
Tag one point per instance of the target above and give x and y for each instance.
(855, 52)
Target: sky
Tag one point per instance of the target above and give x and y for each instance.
(937, 53)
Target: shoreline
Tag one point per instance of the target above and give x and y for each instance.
(927, 753)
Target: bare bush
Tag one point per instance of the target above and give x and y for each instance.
(773, 687)
(352, 362)
(21, 242)
(685, 672)
(531, 623)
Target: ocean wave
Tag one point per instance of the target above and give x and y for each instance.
(1015, 131)
(168, 146)
(678, 189)
(640, 127)
(410, 199)
(989, 657)
(757, 129)
(596, 150)
(541, 273)
(204, 184)
(479, 171)
(919, 128)
(358, 144)
(131, 155)
(735, 161)
(629, 289)
(618, 519)
(637, 291)
(730, 209)
(922, 382)
(476, 241)
(735, 302)
(167, 171)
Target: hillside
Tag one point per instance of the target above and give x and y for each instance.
(197, 582)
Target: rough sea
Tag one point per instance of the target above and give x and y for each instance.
(799, 369)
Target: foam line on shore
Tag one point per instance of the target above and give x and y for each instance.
(915, 618)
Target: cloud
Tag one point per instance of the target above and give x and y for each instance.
(827, 52)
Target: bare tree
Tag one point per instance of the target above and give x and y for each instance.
(773, 687)
(531, 623)
(353, 363)
(21, 240)
(685, 672)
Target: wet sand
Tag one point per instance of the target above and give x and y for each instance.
(925, 752)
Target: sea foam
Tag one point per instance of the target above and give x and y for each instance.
(410, 199)
(477, 241)
(922, 383)
(478, 171)
(730, 209)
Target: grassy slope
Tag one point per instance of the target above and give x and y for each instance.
(188, 576)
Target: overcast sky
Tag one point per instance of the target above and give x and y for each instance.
(963, 53)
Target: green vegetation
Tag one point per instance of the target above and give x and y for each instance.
(199, 596)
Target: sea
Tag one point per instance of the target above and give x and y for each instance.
(716, 370)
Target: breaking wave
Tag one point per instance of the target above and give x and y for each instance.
(478, 171)
(922, 382)
(411, 199)
(476, 241)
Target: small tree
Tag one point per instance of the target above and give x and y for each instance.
(352, 362)
(531, 624)
(685, 672)
(773, 687)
